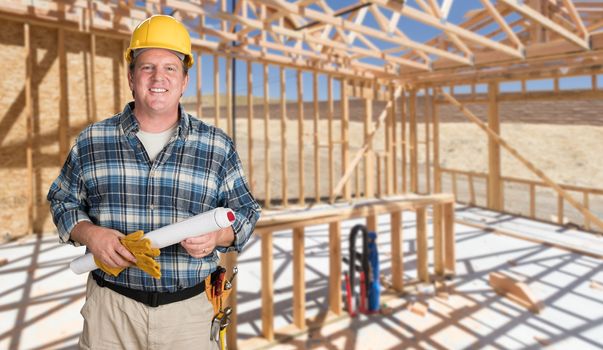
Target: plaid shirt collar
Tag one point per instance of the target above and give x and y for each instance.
(129, 124)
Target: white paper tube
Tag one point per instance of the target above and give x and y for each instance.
(197, 225)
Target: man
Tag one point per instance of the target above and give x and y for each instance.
(149, 166)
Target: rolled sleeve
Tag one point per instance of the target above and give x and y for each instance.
(66, 197)
(237, 196)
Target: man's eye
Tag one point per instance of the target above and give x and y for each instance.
(146, 67)
(171, 69)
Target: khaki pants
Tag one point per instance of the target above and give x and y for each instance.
(113, 321)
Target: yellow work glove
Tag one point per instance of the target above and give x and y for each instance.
(142, 251)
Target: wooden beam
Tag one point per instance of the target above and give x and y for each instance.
(422, 248)
(503, 24)
(267, 290)
(284, 162)
(427, 117)
(229, 106)
(217, 91)
(438, 239)
(449, 239)
(335, 267)
(29, 127)
(403, 139)
(300, 139)
(299, 287)
(413, 142)
(524, 161)
(93, 111)
(63, 97)
(437, 174)
(397, 251)
(575, 16)
(369, 155)
(345, 142)
(250, 152)
(316, 138)
(267, 142)
(495, 186)
(199, 85)
(331, 113)
(547, 23)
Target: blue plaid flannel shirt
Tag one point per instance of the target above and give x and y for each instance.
(109, 180)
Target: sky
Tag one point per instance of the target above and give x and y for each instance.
(414, 30)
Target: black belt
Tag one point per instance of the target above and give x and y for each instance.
(152, 299)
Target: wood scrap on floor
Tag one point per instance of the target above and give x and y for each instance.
(419, 308)
(596, 285)
(517, 291)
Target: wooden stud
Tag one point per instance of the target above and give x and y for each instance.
(422, 248)
(300, 139)
(267, 290)
(250, 151)
(414, 163)
(369, 156)
(494, 170)
(267, 142)
(438, 239)
(63, 97)
(217, 91)
(388, 160)
(593, 82)
(299, 288)
(284, 162)
(437, 174)
(331, 113)
(199, 91)
(397, 251)
(393, 148)
(345, 139)
(372, 223)
(379, 192)
(30, 127)
(449, 239)
(403, 140)
(93, 111)
(335, 267)
(316, 139)
(229, 106)
(426, 115)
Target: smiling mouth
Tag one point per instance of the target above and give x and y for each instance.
(157, 90)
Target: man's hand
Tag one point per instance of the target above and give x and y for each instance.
(104, 244)
(204, 245)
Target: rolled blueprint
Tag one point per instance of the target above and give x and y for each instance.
(194, 226)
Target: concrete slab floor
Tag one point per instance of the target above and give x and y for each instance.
(40, 297)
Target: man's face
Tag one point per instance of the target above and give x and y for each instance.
(157, 81)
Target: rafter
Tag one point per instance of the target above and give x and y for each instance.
(347, 25)
(447, 26)
(547, 23)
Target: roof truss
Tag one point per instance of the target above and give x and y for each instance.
(364, 39)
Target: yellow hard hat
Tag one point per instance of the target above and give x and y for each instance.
(161, 32)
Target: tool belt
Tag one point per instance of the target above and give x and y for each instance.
(152, 299)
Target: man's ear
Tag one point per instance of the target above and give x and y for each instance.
(130, 80)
